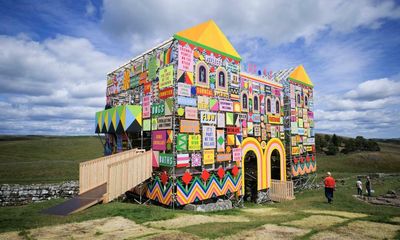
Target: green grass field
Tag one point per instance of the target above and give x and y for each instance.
(50, 158)
(45, 159)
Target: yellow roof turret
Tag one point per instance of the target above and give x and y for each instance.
(209, 36)
(300, 75)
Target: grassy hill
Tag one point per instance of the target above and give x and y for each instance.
(44, 159)
(39, 159)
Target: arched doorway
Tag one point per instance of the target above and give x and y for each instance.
(275, 165)
(250, 176)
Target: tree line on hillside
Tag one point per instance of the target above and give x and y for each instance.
(331, 145)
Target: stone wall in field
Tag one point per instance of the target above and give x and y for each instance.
(15, 194)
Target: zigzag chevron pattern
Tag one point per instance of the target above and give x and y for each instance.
(156, 191)
(301, 169)
(213, 188)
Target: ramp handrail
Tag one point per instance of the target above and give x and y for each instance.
(128, 173)
(95, 172)
(281, 190)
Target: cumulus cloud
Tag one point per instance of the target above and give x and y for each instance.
(58, 80)
(276, 21)
(371, 109)
(375, 89)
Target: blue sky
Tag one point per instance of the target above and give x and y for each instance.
(54, 55)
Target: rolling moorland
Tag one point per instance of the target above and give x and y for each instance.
(34, 159)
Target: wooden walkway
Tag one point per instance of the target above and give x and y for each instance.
(80, 202)
(105, 179)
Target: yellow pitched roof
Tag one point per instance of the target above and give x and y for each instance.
(300, 75)
(209, 36)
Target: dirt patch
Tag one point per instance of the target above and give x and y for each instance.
(316, 222)
(270, 231)
(264, 211)
(174, 235)
(395, 219)
(188, 220)
(106, 228)
(361, 230)
(337, 213)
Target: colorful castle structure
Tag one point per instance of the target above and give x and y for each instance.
(213, 129)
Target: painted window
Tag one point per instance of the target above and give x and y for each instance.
(221, 76)
(298, 98)
(277, 106)
(268, 105)
(202, 74)
(256, 103)
(305, 100)
(245, 102)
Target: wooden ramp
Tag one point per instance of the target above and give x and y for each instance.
(79, 203)
(105, 179)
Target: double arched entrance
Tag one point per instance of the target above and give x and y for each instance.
(261, 163)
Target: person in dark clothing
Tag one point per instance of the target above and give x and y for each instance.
(368, 186)
(330, 184)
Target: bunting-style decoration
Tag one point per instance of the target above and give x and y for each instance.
(127, 118)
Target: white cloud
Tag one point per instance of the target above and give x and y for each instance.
(375, 89)
(276, 21)
(58, 80)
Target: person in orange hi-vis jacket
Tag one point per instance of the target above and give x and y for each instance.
(329, 187)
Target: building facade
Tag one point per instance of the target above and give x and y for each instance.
(213, 129)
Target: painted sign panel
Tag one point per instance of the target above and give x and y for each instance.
(295, 150)
(169, 106)
(146, 106)
(191, 113)
(214, 106)
(221, 120)
(165, 123)
(204, 91)
(211, 59)
(189, 126)
(154, 124)
(208, 117)
(202, 103)
(184, 89)
(208, 157)
(146, 124)
(182, 160)
(187, 101)
(166, 93)
(232, 130)
(166, 159)
(185, 58)
(158, 109)
(224, 157)
(166, 76)
(226, 106)
(220, 140)
(237, 154)
(257, 130)
(274, 119)
(194, 142)
(209, 137)
(181, 142)
(159, 139)
(147, 88)
(196, 159)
